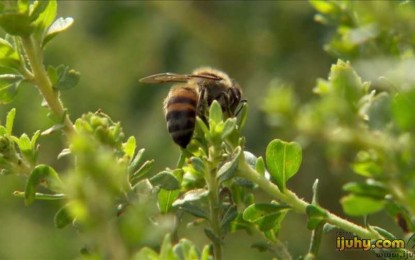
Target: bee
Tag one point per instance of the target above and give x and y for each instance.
(192, 96)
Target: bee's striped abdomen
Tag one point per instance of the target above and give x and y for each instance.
(180, 109)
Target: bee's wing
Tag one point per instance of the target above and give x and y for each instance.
(173, 77)
(166, 77)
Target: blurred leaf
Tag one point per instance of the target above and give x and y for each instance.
(227, 170)
(10, 120)
(316, 215)
(260, 166)
(403, 106)
(383, 232)
(9, 56)
(166, 199)
(41, 174)
(242, 115)
(166, 250)
(63, 217)
(265, 215)
(186, 250)
(355, 205)
(323, 7)
(42, 15)
(138, 175)
(146, 253)
(16, 23)
(53, 129)
(230, 214)
(129, 147)
(60, 25)
(211, 235)
(8, 90)
(62, 77)
(283, 161)
(198, 165)
(165, 180)
(368, 164)
(132, 167)
(370, 189)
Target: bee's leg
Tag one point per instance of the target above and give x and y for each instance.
(202, 105)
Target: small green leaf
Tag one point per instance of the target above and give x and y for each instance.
(166, 180)
(53, 129)
(355, 205)
(265, 215)
(215, 114)
(211, 235)
(191, 196)
(198, 165)
(129, 147)
(63, 217)
(42, 15)
(16, 23)
(230, 214)
(9, 56)
(146, 253)
(228, 127)
(141, 172)
(65, 78)
(8, 90)
(41, 174)
(185, 249)
(166, 198)
(136, 161)
(229, 168)
(60, 25)
(383, 232)
(243, 115)
(316, 215)
(283, 161)
(166, 251)
(192, 209)
(206, 253)
(260, 166)
(402, 110)
(10, 120)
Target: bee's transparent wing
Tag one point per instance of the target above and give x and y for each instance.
(173, 77)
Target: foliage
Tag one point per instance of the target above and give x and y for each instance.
(123, 209)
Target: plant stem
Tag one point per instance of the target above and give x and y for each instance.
(214, 203)
(34, 54)
(300, 205)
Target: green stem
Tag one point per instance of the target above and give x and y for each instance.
(300, 205)
(214, 203)
(316, 236)
(34, 54)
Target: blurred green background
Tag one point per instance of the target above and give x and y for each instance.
(115, 43)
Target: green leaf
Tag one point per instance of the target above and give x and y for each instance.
(16, 23)
(185, 250)
(212, 236)
(316, 215)
(41, 174)
(132, 167)
(129, 147)
(206, 253)
(10, 120)
(63, 78)
(166, 251)
(141, 172)
(146, 253)
(283, 161)
(260, 166)
(383, 232)
(166, 198)
(403, 106)
(165, 180)
(63, 217)
(60, 25)
(243, 115)
(215, 114)
(8, 90)
(372, 189)
(9, 56)
(230, 214)
(265, 215)
(228, 169)
(192, 209)
(191, 196)
(198, 164)
(42, 15)
(355, 205)
(228, 127)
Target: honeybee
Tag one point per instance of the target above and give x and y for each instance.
(192, 96)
